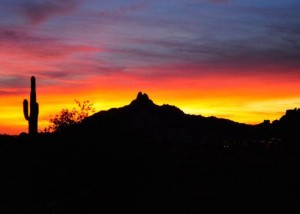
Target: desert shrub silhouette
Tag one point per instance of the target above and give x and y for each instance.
(68, 117)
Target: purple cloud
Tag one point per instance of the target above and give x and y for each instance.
(122, 11)
(219, 1)
(38, 12)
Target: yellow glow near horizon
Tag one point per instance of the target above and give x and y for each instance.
(251, 112)
(242, 100)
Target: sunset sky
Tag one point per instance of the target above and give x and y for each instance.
(235, 59)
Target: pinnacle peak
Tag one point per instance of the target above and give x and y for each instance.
(142, 96)
(142, 99)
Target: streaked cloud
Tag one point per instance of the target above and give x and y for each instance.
(196, 45)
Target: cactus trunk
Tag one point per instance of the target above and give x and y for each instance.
(34, 110)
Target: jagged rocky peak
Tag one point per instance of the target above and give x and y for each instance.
(142, 96)
(142, 100)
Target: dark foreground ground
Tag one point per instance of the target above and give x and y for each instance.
(54, 174)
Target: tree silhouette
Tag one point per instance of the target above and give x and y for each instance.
(68, 117)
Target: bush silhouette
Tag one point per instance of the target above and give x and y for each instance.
(68, 117)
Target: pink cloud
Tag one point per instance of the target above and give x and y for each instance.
(23, 52)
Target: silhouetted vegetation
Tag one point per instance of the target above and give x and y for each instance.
(145, 158)
(67, 117)
(32, 117)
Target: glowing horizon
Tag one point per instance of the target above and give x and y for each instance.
(244, 106)
(232, 59)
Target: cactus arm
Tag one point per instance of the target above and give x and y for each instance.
(25, 109)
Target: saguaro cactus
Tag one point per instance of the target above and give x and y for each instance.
(34, 110)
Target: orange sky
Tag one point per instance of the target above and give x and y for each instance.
(232, 59)
(243, 99)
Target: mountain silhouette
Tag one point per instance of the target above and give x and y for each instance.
(142, 101)
(147, 158)
(165, 123)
